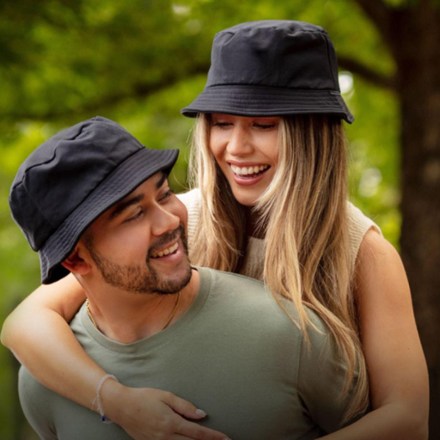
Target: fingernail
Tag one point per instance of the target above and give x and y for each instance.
(200, 413)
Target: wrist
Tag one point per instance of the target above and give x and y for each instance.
(98, 404)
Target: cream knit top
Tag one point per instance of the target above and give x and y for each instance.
(358, 225)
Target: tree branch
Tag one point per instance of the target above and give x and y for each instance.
(140, 90)
(377, 11)
(370, 75)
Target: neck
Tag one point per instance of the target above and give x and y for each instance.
(253, 229)
(127, 317)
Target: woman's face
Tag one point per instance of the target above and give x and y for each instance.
(246, 150)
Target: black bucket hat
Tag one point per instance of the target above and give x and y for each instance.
(272, 67)
(74, 177)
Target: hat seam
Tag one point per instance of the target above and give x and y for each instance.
(26, 171)
(275, 67)
(275, 87)
(332, 68)
(61, 230)
(87, 196)
(95, 188)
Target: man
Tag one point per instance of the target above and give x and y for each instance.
(93, 201)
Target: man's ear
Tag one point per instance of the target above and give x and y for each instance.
(75, 263)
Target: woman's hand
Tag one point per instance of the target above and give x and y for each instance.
(152, 414)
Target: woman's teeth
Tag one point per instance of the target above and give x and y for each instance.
(248, 171)
(165, 252)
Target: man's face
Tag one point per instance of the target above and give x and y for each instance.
(139, 244)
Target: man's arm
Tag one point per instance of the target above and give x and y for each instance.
(34, 405)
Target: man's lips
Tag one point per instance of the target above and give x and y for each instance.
(158, 253)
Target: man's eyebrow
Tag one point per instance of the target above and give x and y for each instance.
(124, 204)
(161, 181)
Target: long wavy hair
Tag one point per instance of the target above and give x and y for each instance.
(303, 216)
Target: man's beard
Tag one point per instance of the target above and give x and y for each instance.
(143, 279)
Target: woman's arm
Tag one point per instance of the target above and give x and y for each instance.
(399, 389)
(39, 336)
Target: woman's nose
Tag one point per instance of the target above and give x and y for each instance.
(240, 142)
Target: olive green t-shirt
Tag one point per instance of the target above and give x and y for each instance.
(234, 353)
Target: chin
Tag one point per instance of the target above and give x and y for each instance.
(176, 284)
(246, 200)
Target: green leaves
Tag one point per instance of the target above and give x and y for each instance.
(139, 62)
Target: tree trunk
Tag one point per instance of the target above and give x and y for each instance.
(414, 36)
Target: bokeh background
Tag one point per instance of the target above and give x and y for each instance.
(140, 61)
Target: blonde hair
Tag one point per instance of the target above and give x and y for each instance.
(303, 214)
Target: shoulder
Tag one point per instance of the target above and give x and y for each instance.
(251, 300)
(193, 202)
(191, 198)
(379, 265)
(381, 284)
(37, 404)
(233, 283)
(358, 222)
(239, 292)
(358, 226)
(256, 292)
(375, 250)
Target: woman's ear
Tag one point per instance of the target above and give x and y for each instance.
(75, 263)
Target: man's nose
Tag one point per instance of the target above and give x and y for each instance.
(164, 220)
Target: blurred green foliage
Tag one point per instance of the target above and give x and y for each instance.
(138, 62)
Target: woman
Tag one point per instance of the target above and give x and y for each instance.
(269, 159)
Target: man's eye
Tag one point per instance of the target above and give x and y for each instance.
(135, 215)
(166, 195)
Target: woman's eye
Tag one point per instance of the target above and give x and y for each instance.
(267, 126)
(221, 124)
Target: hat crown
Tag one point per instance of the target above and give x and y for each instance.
(274, 53)
(74, 177)
(60, 174)
(272, 67)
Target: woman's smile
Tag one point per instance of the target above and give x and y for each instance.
(246, 150)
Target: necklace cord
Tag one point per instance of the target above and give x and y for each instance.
(167, 323)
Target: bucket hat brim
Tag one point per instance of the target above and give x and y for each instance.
(137, 168)
(254, 100)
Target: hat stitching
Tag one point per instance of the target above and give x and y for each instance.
(51, 258)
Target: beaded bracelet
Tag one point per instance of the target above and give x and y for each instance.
(98, 402)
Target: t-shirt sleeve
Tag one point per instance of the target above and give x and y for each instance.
(321, 380)
(35, 408)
